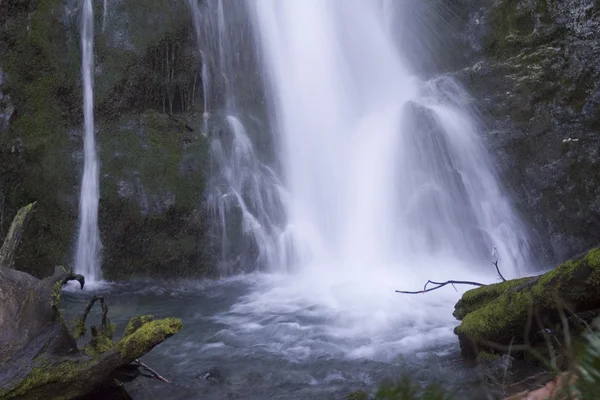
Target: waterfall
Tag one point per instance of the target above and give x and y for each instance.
(87, 259)
(245, 190)
(350, 170)
(104, 11)
(373, 166)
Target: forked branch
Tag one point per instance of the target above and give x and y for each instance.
(440, 285)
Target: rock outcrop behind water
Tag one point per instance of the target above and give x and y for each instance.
(531, 66)
(534, 72)
(153, 157)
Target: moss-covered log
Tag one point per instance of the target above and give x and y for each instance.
(501, 313)
(39, 357)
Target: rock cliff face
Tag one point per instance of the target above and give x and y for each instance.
(153, 156)
(535, 75)
(532, 67)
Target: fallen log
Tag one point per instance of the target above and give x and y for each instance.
(39, 357)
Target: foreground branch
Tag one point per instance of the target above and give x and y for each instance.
(153, 373)
(440, 285)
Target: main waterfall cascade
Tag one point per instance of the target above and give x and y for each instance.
(379, 181)
(87, 261)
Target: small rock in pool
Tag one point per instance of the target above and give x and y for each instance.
(212, 374)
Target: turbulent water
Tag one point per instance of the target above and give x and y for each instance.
(87, 260)
(279, 354)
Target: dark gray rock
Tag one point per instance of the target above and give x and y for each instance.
(6, 108)
(535, 77)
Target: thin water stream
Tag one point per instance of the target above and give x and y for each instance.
(87, 258)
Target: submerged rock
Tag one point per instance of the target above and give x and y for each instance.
(212, 374)
(502, 314)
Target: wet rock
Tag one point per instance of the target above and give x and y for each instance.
(212, 374)
(534, 76)
(6, 107)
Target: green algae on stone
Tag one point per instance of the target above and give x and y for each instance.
(575, 284)
(100, 344)
(148, 335)
(476, 298)
(136, 322)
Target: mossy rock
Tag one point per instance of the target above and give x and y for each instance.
(474, 299)
(574, 285)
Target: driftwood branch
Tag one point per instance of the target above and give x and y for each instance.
(440, 285)
(13, 237)
(153, 373)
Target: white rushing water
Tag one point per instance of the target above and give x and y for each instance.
(87, 258)
(385, 181)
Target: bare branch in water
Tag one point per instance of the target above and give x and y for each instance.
(153, 373)
(452, 282)
(441, 285)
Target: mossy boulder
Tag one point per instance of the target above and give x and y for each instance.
(475, 299)
(534, 302)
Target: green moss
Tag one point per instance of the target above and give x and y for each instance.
(42, 78)
(148, 335)
(69, 374)
(358, 395)
(55, 295)
(136, 322)
(476, 298)
(19, 219)
(79, 328)
(101, 343)
(506, 317)
(43, 375)
(485, 357)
